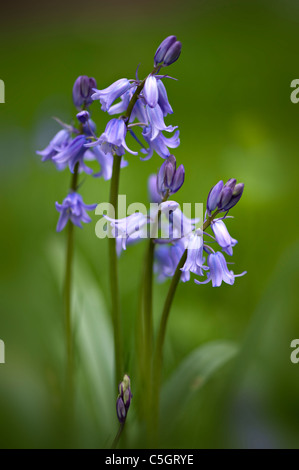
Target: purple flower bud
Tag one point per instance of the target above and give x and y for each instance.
(163, 48)
(238, 189)
(83, 116)
(82, 91)
(231, 183)
(121, 410)
(231, 194)
(173, 53)
(150, 91)
(226, 196)
(154, 196)
(234, 200)
(124, 398)
(170, 179)
(178, 179)
(214, 197)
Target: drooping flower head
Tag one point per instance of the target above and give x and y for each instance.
(170, 179)
(73, 209)
(108, 95)
(223, 237)
(218, 271)
(113, 139)
(59, 142)
(82, 91)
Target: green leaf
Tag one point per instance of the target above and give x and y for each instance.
(93, 341)
(191, 375)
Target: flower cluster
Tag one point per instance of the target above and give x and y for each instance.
(68, 149)
(149, 109)
(179, 234)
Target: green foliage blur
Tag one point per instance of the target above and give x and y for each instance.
(232, 105)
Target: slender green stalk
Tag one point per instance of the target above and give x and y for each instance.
(68, 294)
(148, 304)
(118, 435)
(114, 282)
(158, 356)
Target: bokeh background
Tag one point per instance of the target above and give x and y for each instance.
(232, 105)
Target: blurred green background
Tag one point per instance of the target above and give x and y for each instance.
(232, 105)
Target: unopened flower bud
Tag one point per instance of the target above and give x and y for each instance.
(235, 198)
(163, 48)
(231, 194)
(173, 53)
(214, 197)
(121, 410)
(238, 189)
(226, 196)
(169, 178)
(124, 398)
(83, 116)
(82, 91)
(154, 196)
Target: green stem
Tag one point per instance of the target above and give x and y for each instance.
(158, 356)
(118, 435)
(114, 282)
(68, 294)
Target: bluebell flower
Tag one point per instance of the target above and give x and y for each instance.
(59, 142)
(131, 227)
(82, 91)
(218, 271)
(107, 96)
(163, 99)
(139, 112)
(154, 196)
(105, 161)
(195, 260)
(223, 237)
(179, 224)
(170, 179)
(113, 139)
(89, 128)
(73, 154)
(150, 91)
(156, 121)
(73, 209)
(160, 144)
(167, 258)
